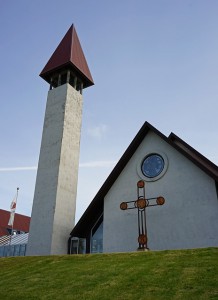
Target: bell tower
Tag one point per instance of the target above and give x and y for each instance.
(54, 204)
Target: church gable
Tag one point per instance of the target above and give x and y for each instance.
(180, 174)
(180, 182)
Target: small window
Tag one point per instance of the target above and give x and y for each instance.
(97, 236)
(152, 165)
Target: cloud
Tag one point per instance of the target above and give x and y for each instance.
(97, 131)
(91, 164)
(34, 168)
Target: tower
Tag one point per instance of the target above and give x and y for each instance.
(53, 212)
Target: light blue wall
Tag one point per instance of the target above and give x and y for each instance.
(189, 217)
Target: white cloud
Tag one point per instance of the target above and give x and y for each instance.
(33, 168)
(91, 164)
(97, 131)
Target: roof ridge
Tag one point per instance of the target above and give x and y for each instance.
(72, 39)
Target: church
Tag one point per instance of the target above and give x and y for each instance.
(169, 167)
(162, 194)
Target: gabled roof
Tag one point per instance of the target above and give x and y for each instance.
(197, 158)
(69, 53)
(21, 222)
(96, 206)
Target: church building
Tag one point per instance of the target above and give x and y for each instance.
(170, 169)
(162, 194)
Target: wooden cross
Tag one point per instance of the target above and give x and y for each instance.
(141, 203)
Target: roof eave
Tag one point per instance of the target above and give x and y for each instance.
(47, 75)
(196, 157)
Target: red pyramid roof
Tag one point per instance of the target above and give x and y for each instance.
(68, 53)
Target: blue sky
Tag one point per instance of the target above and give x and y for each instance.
(154, 61)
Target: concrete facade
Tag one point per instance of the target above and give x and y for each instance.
(54, 204)
(188, 219)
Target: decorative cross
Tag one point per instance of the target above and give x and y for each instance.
(141, 203)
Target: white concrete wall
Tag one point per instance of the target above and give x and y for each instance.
(53, 211)
(189, 217)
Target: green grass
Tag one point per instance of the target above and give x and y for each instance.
(182, 274)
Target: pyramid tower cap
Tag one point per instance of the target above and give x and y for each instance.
(68, 55)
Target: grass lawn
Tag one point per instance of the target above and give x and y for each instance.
(181, 274)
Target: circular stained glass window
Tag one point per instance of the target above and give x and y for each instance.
(152, 165)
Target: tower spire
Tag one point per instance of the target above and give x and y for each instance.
(68, 56)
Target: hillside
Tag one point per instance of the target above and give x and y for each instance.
(182, 274)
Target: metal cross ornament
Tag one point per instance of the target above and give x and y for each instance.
(141, 203)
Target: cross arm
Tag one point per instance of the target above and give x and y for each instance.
(142, 203)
